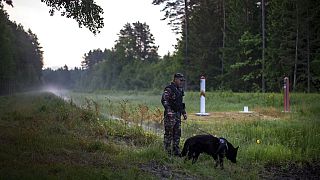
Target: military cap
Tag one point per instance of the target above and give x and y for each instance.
(179, 75)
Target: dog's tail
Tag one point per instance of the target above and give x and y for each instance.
(185, 148)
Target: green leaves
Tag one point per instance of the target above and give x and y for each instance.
(175, 12)
(86, 12)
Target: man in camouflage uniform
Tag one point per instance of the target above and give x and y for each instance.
(172, 101)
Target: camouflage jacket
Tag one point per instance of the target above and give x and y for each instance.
(172, 99)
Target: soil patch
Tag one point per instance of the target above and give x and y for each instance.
(306, 170)
(165, 172)
(235, 116)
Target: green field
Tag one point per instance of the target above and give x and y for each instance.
(43, 136)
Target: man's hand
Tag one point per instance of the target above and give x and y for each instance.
(185, 117)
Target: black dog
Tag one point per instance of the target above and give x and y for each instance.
(216, 147)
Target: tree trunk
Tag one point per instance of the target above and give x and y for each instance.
(186, 39)
(308, 51)
(263, 46)
(296, 52)
(223, 35)
(247, 11)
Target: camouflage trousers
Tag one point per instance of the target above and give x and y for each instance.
(172, 133)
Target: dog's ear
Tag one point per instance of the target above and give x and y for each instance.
(237, 147)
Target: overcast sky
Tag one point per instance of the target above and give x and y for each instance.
(64, 42)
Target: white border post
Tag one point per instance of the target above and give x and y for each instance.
(202, 97)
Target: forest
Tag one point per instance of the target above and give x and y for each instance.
(104, 119)
(21, 57)
(239, 46)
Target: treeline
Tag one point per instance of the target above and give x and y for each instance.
(133, 63)
(21, 57)
(221, 39)
(235, 44)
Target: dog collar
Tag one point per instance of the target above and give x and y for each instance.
(222, 142)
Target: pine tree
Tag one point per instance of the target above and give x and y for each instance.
(136, 43)
(92, 58)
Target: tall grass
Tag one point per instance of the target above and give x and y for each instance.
(45, 137)
(285, 137)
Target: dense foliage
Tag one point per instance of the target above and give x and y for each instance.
(224, 42)
(221, 39)
(20, 57)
